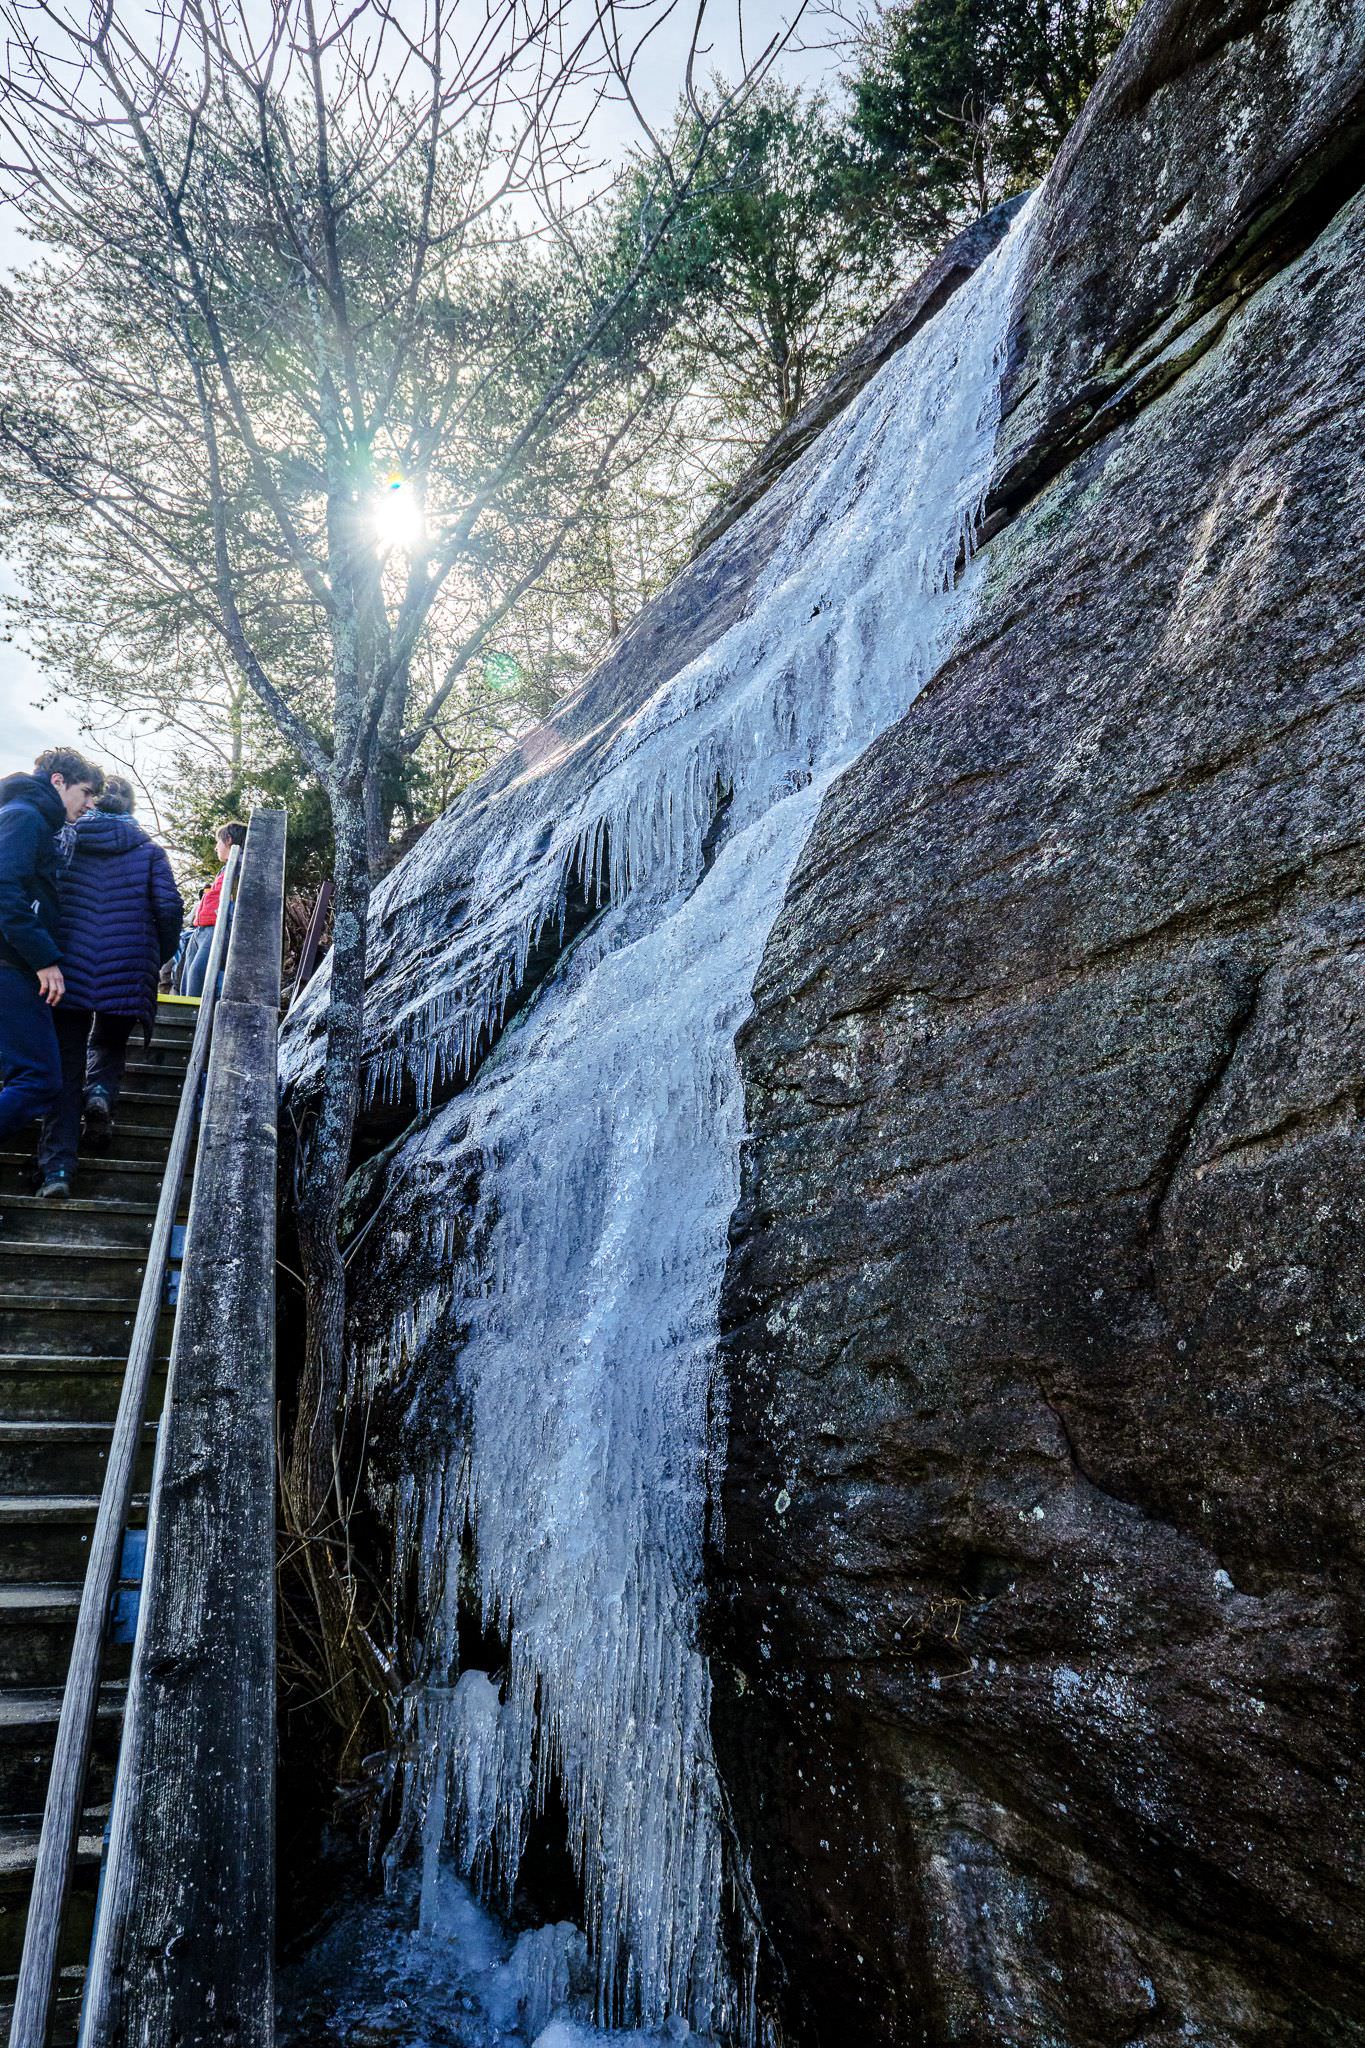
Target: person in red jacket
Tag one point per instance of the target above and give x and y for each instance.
(194, 966)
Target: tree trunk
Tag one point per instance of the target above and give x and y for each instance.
(613, 595)
(235, 704)
(379, 805)
(383, 782)
(324, 1165)
(334, 1607)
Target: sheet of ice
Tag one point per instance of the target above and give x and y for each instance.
(449, 1976)
(573, 1338)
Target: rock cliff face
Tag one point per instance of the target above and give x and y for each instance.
(1039, 1574)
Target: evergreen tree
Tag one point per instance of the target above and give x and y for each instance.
(957, 104)
(768, 273)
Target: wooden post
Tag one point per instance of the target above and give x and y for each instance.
(185, 1931)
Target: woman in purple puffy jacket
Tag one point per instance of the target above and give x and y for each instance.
(120, 919)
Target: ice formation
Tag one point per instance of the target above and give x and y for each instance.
(570, 1325)
(449, 1977)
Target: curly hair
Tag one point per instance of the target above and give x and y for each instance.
(71, 766)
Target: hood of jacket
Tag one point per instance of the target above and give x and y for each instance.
(33, 789)
(106, 833)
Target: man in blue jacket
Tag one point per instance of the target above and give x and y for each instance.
(33, 809)
(120, 919)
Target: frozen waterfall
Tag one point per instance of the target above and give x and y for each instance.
(570, 1331)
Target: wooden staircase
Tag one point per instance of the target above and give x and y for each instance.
(70, 1273)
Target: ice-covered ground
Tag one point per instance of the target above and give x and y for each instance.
(433, 1969)
(564, 1328)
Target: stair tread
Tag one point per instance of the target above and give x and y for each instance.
(79, 1205)
(21, 1602)
(40, 1706)
(111, 1158)
(69, 1304)
(89, 1160)
(63, 1361)
(15, 1156)
(40, 1431)
(56, 1507)
(19, 1847)
(53, 1248)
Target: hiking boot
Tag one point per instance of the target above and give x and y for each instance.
(56, 1188)
(97, 1130)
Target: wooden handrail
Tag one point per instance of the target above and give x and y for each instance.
(71, 1754)
(184, 1930)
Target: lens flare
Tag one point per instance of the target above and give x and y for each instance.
(398, 520)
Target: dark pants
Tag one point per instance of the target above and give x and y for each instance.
(107, 1054)
(93, 1049)
(29, 1059)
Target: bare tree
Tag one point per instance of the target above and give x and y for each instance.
(318, 305)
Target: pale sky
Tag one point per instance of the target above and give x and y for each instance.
(24, 730)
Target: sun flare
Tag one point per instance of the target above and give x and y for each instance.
(398, 519)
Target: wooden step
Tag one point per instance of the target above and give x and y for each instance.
(111, 1272)
(148, 1077)
(145, 1110)
(42, 1455)
(98, 1180)
(85, 1326)
(133, 1140)
(18, 1849)
(45, 1538)
(165, 1053)
(28, 1729)
(66, 2007)
(81, 1220)
(37, 1624)
(64, 1387)
(139, 1133)
(133, 1145)
(109, 1180)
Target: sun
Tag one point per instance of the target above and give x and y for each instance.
(398, 520)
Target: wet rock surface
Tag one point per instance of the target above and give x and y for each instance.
(1038, 1583)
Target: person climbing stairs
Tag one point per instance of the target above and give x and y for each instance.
(70, 1275)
